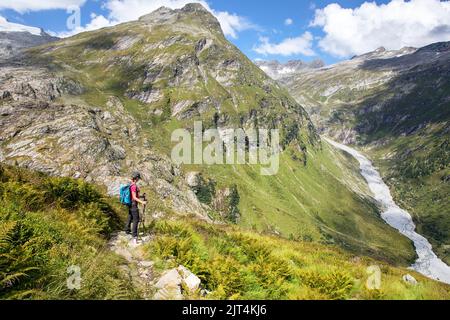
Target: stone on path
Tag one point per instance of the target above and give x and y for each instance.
(170, 284)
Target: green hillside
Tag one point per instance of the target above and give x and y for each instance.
(48, 224)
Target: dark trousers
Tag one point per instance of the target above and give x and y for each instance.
(133, 218)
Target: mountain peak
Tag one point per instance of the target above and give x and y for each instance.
(159, 15)
(383, 53)
(194, 11)
(168, 12)
(436, 47)
(194, 7)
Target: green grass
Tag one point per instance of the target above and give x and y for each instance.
(50, 224)
(236, 264)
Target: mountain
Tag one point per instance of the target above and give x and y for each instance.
(15, 37)
(6, 26)
(396, 106)
(278, 71)
(101, 104)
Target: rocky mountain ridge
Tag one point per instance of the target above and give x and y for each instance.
(15, 37)
(279, 71)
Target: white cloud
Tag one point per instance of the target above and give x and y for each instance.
(287, 47)
(37, 5)
(232, 23)
(288, 22)
(393, 25)
(97, 22)
(127, 10)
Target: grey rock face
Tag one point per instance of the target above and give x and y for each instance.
(100, 145)
(23, 83)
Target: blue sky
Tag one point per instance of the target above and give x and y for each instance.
(261, 29)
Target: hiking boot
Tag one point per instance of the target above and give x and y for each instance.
(136, 242)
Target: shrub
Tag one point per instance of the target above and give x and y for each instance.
(48, 224)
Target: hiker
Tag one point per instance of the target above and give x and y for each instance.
(133, 210)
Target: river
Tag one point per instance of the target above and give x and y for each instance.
(427, 263)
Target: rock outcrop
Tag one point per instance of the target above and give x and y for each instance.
(173, 282)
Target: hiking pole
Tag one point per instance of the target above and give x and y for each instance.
(143, 212)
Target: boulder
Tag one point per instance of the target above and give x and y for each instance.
(169, 286)
(409, 279)
(190, 280)
(170, 278)
(193, 179)
(171, 282)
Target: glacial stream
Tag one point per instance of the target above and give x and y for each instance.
(428, 263)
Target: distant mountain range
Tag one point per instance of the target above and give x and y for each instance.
(14, 37)
(278, 71)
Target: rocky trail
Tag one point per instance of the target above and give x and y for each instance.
(138, 269)
(174, 284)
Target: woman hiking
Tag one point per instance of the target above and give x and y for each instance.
(133, 210)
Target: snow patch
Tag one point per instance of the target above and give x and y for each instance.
(6, 26)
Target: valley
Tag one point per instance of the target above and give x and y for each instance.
(394, 106)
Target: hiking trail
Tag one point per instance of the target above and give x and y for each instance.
(138, 269)
(174, 284)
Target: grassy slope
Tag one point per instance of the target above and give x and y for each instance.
(48, 224)
(236, 264)
(325, 201)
